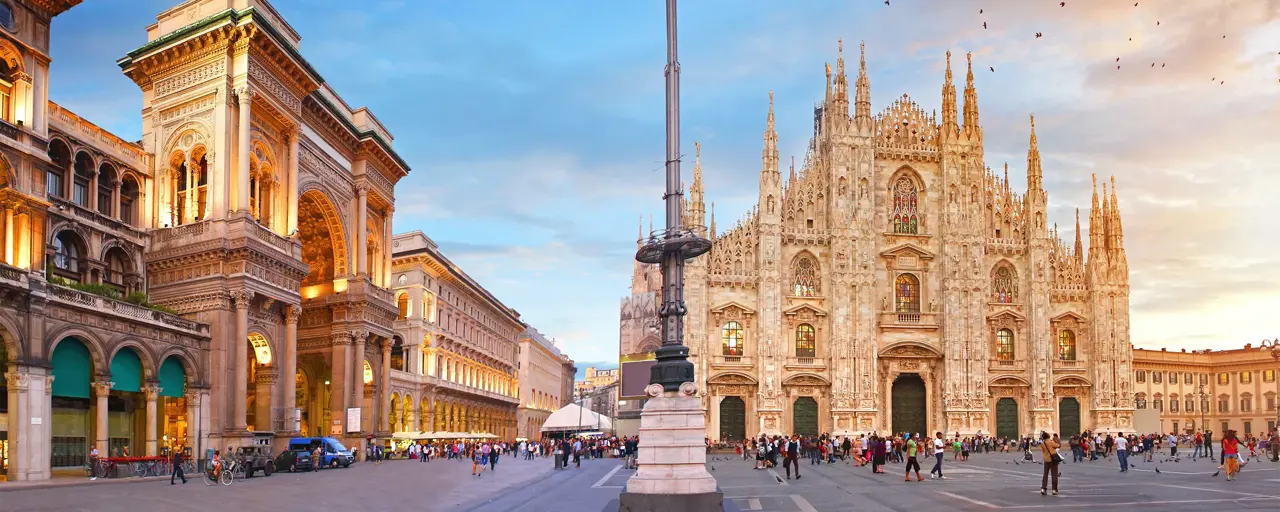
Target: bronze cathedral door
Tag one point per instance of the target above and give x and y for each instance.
(909, 411)
(733, 419)
(804, 417)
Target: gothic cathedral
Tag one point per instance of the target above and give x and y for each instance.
(894, 283)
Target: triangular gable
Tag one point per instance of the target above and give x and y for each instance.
(804, 306)
(908, 249)
(731, 304)
(1010, 313)
(1069, 315)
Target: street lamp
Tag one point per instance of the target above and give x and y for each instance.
(672, 474)
(1204, 404)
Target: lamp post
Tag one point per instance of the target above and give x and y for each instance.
(672, 458)
(1204, 404)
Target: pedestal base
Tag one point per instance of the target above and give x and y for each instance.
(673, 450)
(704, 502)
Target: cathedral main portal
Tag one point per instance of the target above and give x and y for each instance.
(909, 409)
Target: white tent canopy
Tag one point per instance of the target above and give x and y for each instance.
(574, 417)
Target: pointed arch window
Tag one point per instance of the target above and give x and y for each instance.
(806, 341)
(907, 294)
(807, 282)
(1004, 345)
(731, 339)
(1004, 285)
(1067, 345)
(905, 217)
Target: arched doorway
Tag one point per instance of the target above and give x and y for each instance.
(126, 406)
(804, 416)
(173, 421)
(910, 412)
(1068, 417)
(72, 404)
(261, 379)
(4, 404)
(323, 243)
(1007, 418)
(733, 419)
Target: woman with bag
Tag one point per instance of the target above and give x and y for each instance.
(1049, 448)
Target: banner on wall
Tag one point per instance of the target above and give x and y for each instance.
(353, 419)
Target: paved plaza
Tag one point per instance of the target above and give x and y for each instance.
(985, 482)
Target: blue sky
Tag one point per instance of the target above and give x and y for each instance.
(535, 129)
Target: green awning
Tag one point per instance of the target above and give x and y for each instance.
(126, 371)
(72, 369)
(173, 379)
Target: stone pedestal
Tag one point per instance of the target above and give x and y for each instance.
(672, 456)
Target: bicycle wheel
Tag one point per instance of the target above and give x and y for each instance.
(228, 476)
(139, 469)
(101, 470)
(209, 479)
(163, 468)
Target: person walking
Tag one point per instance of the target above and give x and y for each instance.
(1231, 454)
(911, 459)
(1208, 444)
(791, 456)
(1122, 452)
(177, 468)
(1049, 449)
(939, 448)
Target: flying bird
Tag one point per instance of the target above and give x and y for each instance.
(1135, 4)
(984, 25)
(1063, 4)
(993, 69)
(1039, 35)
(1157, 23)
(886, 2)
(1222, 82)
(1153, 64)
(1117, 67)
(1161, 64)
(979, 11)
(1117, 59)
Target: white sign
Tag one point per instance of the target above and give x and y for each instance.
(36, 420)
(353, 419)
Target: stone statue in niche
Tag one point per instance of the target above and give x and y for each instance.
(933, 305)
(884, 303)
(771, 204)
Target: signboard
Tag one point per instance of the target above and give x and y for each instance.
(353, 419)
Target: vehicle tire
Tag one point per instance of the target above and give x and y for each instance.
(346, 465)
(269, 469)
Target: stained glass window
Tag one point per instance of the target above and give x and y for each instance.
(807, 283)
(907, 294)
(1004, 345)
(1004, 286)
(806, 341)
(731, 339)
(904, 207)
(1067, 346)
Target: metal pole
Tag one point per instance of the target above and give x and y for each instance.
(676, 243)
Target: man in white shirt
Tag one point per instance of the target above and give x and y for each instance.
(1173, 444)
(938, 450)
(1122, 452)
(93, 463)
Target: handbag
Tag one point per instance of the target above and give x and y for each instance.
(1057, 459)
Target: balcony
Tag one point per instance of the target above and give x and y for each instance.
(241, 226)
(909, 320)
(67, 208)
(124, 310)
(462, 388)
(1002, 365)
(745, 361)
(806, 362)
(1073, 365)
(13, 277)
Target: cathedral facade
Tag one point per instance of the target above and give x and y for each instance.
(895, 283)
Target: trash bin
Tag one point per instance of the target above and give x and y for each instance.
(559, 459)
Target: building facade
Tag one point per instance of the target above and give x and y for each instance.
(1212, 390)
(453, 360)
(593, 379)
(540, 371)
(894, 283)
(222, 281)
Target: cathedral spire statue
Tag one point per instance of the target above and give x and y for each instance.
(971, 127)
(1035, 175)
(1079, 247)
(770, 154)
(1097, 254)
(1115, 232)
(697, 208)
(949, 125)
(841, 104)
(713, 221)
(862, 106)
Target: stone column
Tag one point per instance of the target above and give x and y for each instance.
(384, 396)
(386, 256)
(264, 383)
(241, 299)
(17, 385)
(292, 197)
(189, 202)
(23, 251)
(338, 391)
(245, 94)
(357, 369)
(193, 422)
(362, 230)
(151, 391)
(9, 228)
(289, 391)
(101, 389)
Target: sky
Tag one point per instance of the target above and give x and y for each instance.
(535, 130)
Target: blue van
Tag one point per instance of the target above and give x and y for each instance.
(333, 454)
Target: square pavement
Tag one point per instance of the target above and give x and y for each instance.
(984, 482)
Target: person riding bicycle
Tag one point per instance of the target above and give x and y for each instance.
(216, 464)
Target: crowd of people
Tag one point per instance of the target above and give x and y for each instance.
(486, 454)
